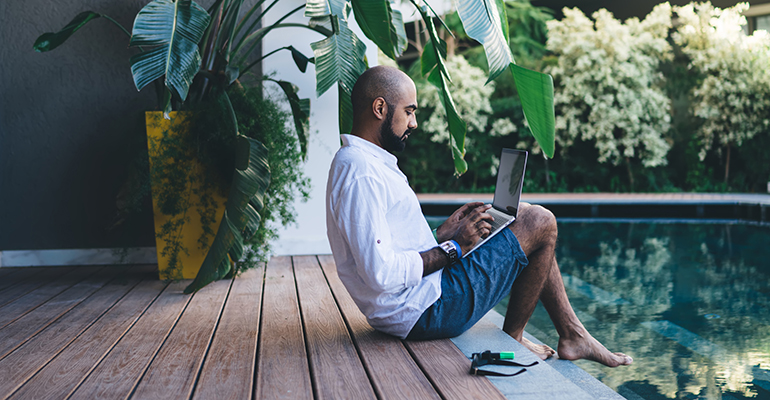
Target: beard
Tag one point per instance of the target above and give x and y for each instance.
(390, 141)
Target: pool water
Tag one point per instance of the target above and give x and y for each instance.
(689, 302)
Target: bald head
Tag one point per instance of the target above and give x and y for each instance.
(380, 81)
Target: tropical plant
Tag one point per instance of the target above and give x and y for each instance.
(192, 56)
(199, 53)
(732, 99)
(610, 87)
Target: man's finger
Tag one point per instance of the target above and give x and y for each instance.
(468, 208)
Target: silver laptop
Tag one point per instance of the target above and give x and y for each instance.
(505, 205)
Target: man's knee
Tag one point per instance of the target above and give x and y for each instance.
(538, 222)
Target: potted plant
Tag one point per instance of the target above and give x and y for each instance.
(185, 52)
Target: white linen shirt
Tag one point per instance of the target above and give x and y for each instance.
(376, 230)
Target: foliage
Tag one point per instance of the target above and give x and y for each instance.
(264, 120)
(732, 99)
(421, 160)
(578, 170)
(609, 86)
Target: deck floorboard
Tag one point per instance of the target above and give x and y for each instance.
(34, 354)
(65, 372)
(282, 369)
(394, 374)
(334, 364)
(229, 370)
(286, 330)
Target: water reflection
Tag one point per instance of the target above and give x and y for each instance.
(690, 303)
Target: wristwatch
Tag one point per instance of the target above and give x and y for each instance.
(451, 249)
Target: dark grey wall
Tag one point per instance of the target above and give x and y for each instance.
(70, 121)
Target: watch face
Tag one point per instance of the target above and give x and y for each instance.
(450, 250)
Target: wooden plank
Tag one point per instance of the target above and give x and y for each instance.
(282, 369)
(117, 374)
(37, 278)
(173, 372)
(18, 332)
(447, 368)
(394, 373)
(22, 305)
(334, 364)
(73, 364)
(10, 277)
(228, 371)
(28, 358)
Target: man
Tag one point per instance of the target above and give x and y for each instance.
(400, 278)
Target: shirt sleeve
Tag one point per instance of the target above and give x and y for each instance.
(361, 216)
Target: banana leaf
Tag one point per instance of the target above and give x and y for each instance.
(378, 21)
(433, 60)
(536, 95)
(339, 59)
(241, 218)
(51, 40)
(300, 110)
(173, 30)
(482, 21)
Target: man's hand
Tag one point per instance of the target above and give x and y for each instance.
(466, 226)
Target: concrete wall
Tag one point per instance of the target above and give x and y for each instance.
(309, 235)
(68, 120)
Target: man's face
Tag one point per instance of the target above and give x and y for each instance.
(400, 121)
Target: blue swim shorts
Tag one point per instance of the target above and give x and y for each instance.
(471, 287)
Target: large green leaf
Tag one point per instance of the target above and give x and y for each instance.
(536, 95)
(457, 127)
(398, 22)
(173, 29)
(51, 40)
(322, 8)
(428, 60)
(300, 110)
(241, 218)
(482, 21)
(338, 58)
(376, 20)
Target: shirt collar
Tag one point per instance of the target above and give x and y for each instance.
(369, 147)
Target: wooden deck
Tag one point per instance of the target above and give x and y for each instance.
(288, 330)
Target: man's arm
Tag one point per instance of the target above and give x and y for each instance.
(466, 226)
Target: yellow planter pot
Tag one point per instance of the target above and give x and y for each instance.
(181, 243)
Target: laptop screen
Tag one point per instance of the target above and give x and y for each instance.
(510, 177)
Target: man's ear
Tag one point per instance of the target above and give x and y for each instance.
(380, 108)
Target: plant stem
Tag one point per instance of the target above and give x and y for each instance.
(727, 165)
(261, 33)
(630, 173)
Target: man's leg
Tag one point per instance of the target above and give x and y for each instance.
(535, 228)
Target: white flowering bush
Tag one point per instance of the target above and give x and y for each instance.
(608, 85)
(733, 100)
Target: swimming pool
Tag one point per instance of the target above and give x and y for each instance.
(689, 302)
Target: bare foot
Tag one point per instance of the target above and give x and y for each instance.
(586, 347)
(540, 350)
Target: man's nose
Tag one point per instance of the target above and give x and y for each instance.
(412, 122)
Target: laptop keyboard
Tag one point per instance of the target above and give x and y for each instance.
(500, 218)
